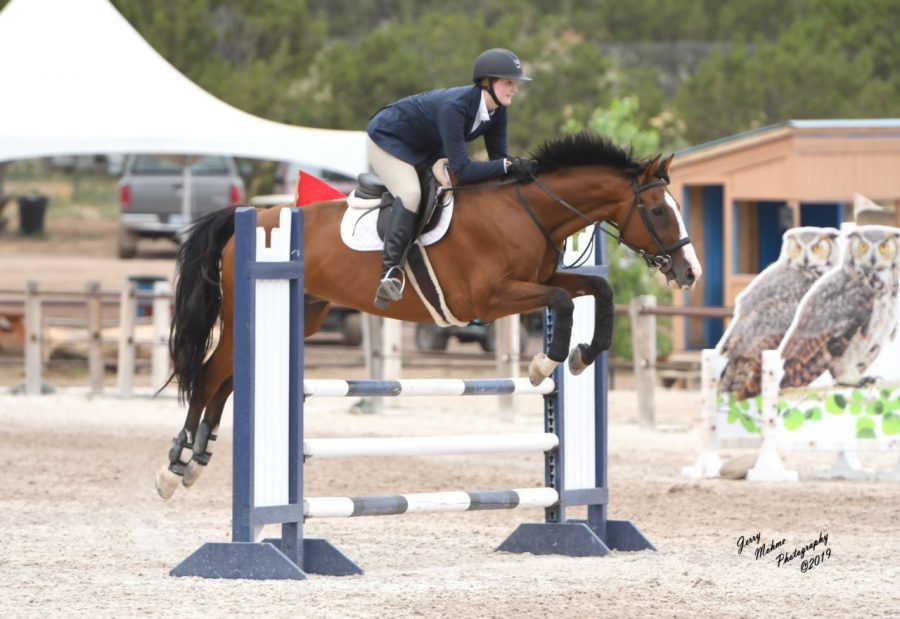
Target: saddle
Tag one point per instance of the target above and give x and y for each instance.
(435, 212)
(435, 183)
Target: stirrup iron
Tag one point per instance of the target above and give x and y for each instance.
(390, 288)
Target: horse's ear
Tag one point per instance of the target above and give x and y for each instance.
(650, 170)
(662, 172)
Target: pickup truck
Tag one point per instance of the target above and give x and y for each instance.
(151, 190)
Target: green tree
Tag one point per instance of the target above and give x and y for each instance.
(840, 60)
(570, 80)
(644, 20)
(618, 122)
(738, 20)
(344, 87)
(715, 103)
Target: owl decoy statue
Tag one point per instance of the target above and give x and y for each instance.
(765, 309)
(848, 315)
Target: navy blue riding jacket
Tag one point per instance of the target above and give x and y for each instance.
(425, 127)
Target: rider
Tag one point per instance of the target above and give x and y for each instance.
(422, 128)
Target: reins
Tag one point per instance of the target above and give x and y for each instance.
(655, 261)
(524, 203)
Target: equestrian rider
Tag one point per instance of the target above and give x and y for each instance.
(422, 128)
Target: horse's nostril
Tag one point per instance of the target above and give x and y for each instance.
(690, 275)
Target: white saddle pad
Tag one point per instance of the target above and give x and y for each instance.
(358, 227)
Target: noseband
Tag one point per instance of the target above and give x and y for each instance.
(660, 260)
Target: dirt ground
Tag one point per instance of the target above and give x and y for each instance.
(82, 532)
(74, 250)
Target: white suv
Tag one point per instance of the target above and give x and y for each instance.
(150, 195)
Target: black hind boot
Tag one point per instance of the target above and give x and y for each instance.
(399, 235)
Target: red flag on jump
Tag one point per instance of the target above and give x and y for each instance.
(311, 189)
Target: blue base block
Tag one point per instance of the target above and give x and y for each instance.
(574, 539)
(322, 557)
(239, 560)
(625, 536)
(264, 561)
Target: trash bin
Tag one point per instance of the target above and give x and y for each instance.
(145, 283)
(32, 207)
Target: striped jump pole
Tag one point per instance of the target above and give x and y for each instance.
(426, 387)
(270, 449)
(428, 502)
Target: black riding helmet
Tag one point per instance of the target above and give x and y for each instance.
(498, 63)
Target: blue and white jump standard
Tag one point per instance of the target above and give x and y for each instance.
(270, 449)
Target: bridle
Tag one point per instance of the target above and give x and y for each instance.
(663, 258)
(660, 260)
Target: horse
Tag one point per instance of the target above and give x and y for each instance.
(500, 257)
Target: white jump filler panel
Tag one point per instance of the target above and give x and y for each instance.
(578, 400)
(271, 361)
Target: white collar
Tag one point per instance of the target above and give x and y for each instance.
(483, 114)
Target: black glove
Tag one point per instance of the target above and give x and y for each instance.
(523, 169)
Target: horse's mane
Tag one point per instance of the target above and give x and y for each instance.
(585, 148)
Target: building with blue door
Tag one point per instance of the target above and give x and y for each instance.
(741, 193)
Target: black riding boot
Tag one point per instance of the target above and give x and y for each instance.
(397, 238)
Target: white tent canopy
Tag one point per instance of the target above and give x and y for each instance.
(78, 79)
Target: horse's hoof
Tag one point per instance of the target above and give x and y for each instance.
(192, 473)
(576, 363)
(540, 368)
(166, 482)
(580, 359)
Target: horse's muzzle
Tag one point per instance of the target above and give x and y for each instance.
(680, 274)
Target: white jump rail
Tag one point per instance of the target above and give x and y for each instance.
(427, 445)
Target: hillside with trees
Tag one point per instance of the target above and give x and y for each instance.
(700, 69)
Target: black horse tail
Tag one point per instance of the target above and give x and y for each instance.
(198, 298)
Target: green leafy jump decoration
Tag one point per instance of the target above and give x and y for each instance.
(740, 411)
(873, 407)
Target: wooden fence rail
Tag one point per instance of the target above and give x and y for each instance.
(97, 306)
(648, 369)
(31, 305)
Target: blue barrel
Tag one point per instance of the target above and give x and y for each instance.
(145, 283)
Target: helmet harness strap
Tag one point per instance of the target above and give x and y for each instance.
(490, 91)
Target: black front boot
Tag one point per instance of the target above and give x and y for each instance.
(397, 238)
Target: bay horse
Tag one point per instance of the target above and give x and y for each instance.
(500, 257)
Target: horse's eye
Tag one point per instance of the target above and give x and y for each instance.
(658, 211)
